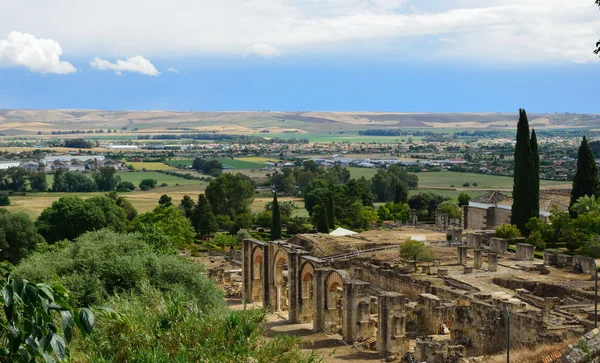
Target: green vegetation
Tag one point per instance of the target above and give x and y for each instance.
(586, 179)
(276, 221)
(241, 164)
(526, 193)
(416, 251)
(18, 236)
(507, 231)
(170, 222)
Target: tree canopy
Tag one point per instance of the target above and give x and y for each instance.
(586, 181)
(171, 221)
(230, 194)
(18, 236)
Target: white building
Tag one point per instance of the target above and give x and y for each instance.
(67, 158)
(123, 147)
(8, 164)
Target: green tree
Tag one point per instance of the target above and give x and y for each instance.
(416, 251)
(147, 184)
(330, 210)
(401, 193)
(165, 200)
(507, 231)
(230, 194)
(4, 200)
(463, 199)
(73, 181)
(125, 186)
(535, 175)
(173, 223)
(69, 217)
(264, 218)
(586, 204)
(18, 236)
(37, 181)
(187, 205)
(361, 188)
(242, 221)
(450, 208)
(31, 310)
(106, 178)
(298, 225)
(525, 189)
(586, 177)
(276, 221)
(319, 218)
(203, 219)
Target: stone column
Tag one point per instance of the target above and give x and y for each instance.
(319, 299)
(462, 255)
(266, 276)
(524, 252)
(247, 270)
(492, 262)
(477, 257)
(413, 217)
(391, 320)
(355, 293)
(293, 282)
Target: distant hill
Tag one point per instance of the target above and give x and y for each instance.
(27, 122)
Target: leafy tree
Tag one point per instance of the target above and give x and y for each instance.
(416, 251)
(540, 228)
(586, 204)
(18, 236)
(172, 222)
(224, 239)
(311, 166)
(73, 181)
(264, 218)
(398, 211)
(165, 200)
(128, 208)
(401, 193)
(242, 221)
(187, 205)
(536, 239)
(450, 208)
(37, 181)
(525, 189)
(4, 200)
(77, 144)
(384, 213)
(586, 177)
(507, 231)
(147, 184)
(319, 218)
(298, 225)
(224, 222)
(338, 175)
(69, 217)
(286, 208)
(242, 234)
(15, 179)
(29, 331)
(125, 185)
(463, 199)
(209, 167)
(203, 219)
(230, 194)
(425, 201)
(361, 188)
(276, 221)
(106, 178)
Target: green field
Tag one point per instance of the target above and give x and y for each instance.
(180, 162)
(349, 137)
(137, 176)
(243, 163)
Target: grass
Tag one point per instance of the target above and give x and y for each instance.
(237, 163)
(150, 165)
(179, 162)
(349, 137)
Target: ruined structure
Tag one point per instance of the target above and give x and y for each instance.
(451, 308)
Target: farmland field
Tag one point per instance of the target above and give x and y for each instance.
(180, 162)
(237, 163)
(149, 165)
(137, 176)
(349, 137)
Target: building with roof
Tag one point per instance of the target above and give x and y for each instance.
(494, 208)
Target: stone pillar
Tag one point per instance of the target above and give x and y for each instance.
(498, 245)
(319, 299)
(524, 252)
(293, 282)
(391, 320)
(445, 221)
(265, 276)
(462, 255)
(247, 270)
(477, 257)
(492, 262)
(413, 217)
(355, 295)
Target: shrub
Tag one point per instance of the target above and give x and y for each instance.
(535, 239)
(4, 200)
(466, 185)
(125, 185)
(224, 239)
(507, 231)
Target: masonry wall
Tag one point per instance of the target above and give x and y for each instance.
(497, 217)
(387, 280)
(474, 218)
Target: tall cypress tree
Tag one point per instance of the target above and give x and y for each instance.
(330, 210)
(586, 178)
(203, 219)
(276, 221)
(525, 203)
(535, 192)
(320, 218)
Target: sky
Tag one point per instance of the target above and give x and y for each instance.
(300, 55)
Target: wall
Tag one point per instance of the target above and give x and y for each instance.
(388, 280)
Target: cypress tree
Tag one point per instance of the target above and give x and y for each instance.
(535, 193)
(320, 217)
(276, 221)
(586, 178)
(525, 188)
(330, 211)
(203, 219)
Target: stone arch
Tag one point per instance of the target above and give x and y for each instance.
(306, 291)
(334, 306)
(280, 267)
(257, 274)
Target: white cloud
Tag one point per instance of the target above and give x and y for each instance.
(173, 70)
(482, 30)
(136, 64)
(38, 55)
(262, 50)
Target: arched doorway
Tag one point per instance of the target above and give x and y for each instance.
(280, 280)
(306, 292)
(334, 307)
(257, 274)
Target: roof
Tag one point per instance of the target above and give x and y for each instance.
(493, 197)
(342, 232)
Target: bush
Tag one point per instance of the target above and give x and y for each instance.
(148, 184)
(4, 200)
(535, 239)
(466, 185)
(224, 239)
(125, 185)
(507, 231)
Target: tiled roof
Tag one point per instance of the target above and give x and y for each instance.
(493, 197)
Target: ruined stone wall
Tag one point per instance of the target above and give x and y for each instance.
(474, 218)
(497, 217)
(388, 280)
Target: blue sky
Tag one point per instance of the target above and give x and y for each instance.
(292, 55)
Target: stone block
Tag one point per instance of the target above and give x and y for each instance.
(524, 252)
(498, 245)
(492, 262)
(442, 272)
(477, 258)
(468, 269)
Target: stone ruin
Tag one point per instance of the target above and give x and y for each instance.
(453, 309)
